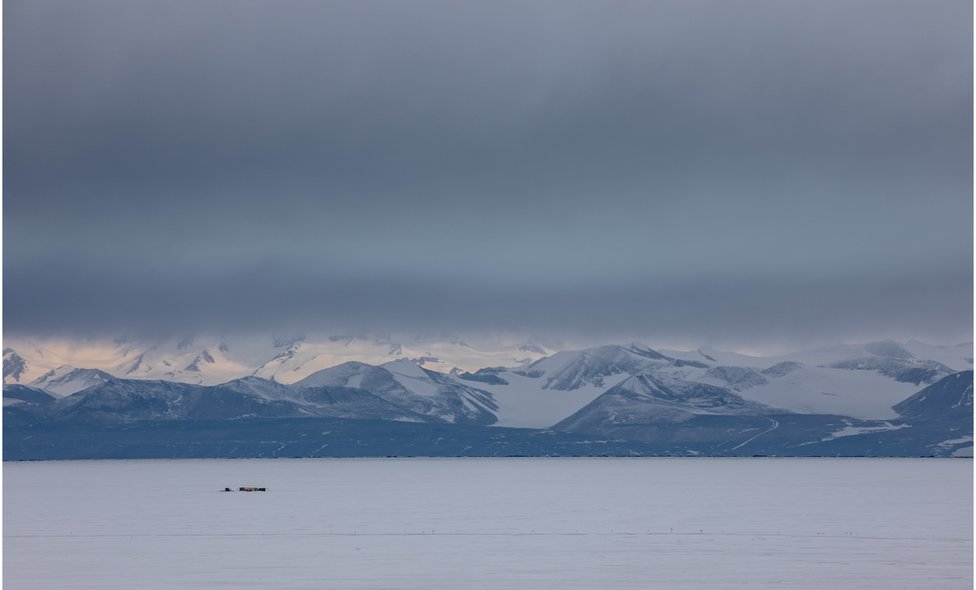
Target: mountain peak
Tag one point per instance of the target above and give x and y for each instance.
(66, 380)
(888, 348)
(407, 368)
(952, 393)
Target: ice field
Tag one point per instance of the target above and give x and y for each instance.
(490, 523)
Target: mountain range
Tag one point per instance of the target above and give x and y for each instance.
(881, 398)
(207, 360)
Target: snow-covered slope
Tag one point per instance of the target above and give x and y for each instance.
(951, 395)
(713, 356)
(351, 374)
(66, 380)
(212, 360)
(862, 381)
(187, 360)
(300, 359)
(865, 404)
(508, 382)
(524, 402)
(407, 385)
(645, 399)
(15, 393)
(820, 390)
(326, 399)
(184, 360)
(26, 361)
(256, 386)
(573, 369)
(125, 400)
(958, 356)
(552, 388)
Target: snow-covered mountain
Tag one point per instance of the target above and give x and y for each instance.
(326, 400)
(880, 399)
(648, 399)
(863, 381)
(863, 384)
(15, 394)
(550, 389)
(66, 380)
(957, 357)
(409, 385)
(128, 400)
(859, 381)
(212, 360)
(950, 396)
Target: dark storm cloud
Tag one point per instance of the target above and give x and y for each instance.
(748, 170)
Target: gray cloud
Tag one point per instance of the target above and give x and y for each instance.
(731, 310)
(749, 171)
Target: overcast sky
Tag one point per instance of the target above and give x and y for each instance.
(745, 172)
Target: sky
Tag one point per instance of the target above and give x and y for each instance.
(748, 173)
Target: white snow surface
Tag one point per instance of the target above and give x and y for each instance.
(525, 403)
(758, 524)
(819, 390)
(959, 357)
(856, 430)
(65, 380)
(210, 360)
(713, 356)
(411, 376)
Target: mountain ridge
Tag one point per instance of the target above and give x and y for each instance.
(630, 393)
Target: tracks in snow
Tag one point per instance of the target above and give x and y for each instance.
(774, 427)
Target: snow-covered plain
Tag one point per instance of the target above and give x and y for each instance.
(490, 523)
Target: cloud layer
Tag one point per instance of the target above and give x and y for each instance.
(750, 171)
